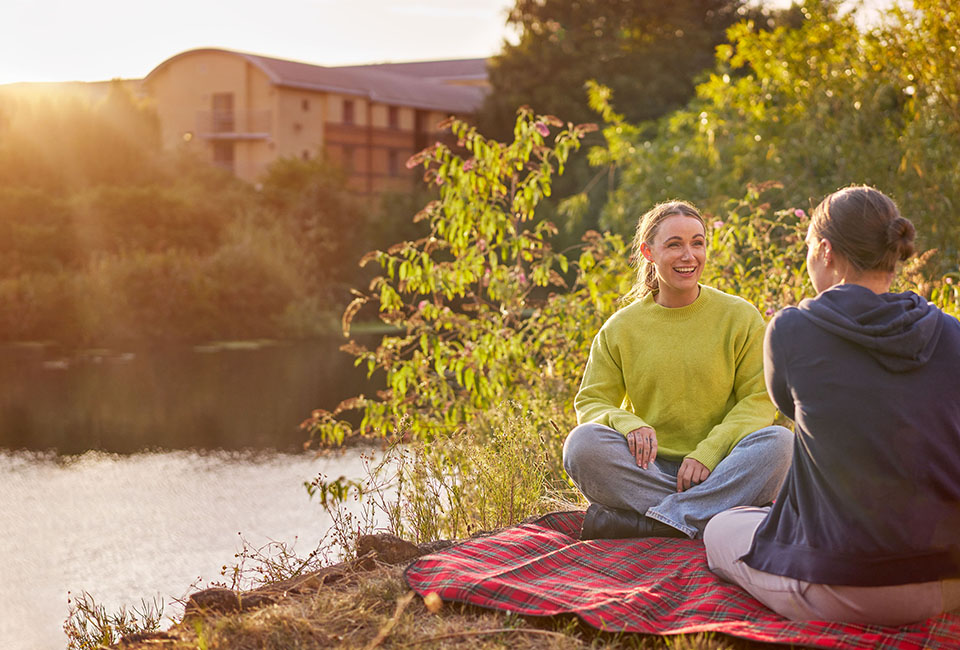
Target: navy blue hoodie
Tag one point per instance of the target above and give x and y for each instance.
(872, 498)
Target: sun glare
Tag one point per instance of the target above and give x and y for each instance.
(106, 39)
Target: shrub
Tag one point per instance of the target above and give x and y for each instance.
(121, 219)
(36, 233)
(477, 321)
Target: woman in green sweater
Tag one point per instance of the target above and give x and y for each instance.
(674, 421)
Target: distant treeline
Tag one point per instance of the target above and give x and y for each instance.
(106, 239)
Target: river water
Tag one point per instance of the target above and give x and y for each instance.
(209, 440)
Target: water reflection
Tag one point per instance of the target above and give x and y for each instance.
(129, 527)
(228, 396)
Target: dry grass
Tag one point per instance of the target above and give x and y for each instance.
(374, 609)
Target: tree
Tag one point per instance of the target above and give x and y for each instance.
(61, 140)
(648, 51)
(310, 198)
(814, 107)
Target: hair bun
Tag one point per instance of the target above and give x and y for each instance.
(900, 234)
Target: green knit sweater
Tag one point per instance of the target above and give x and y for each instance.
(694, 374)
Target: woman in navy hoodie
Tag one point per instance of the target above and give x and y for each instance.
(866, 528)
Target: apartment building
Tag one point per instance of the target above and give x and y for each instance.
(243, 111)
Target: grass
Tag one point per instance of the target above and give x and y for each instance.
(374, 609)
(90, 625)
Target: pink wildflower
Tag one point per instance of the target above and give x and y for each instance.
(948, 280)
(770, 311)
(542, 129)
(718, 224)
(422, 305)
(800, 213)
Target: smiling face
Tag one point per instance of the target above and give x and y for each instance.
(678, 252)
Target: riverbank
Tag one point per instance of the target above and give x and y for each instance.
(152, 526)
(365, 603)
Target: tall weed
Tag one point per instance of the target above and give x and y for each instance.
(89, 626)
(452, 487)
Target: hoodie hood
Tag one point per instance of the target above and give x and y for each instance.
(900, 330)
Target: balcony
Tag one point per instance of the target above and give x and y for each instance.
(234, 125)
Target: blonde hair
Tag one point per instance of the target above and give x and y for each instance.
(647, 227)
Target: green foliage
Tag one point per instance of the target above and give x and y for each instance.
(471, 302)
(35, 232)
(390, 222)
(650, 52)
(814, 106)
(921, 46)
(629, 45)
(119, 242)
(308, 196)
(757, 252)
(946, 295)
(90, 626)
(120, 219)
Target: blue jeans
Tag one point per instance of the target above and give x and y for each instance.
(599, 462)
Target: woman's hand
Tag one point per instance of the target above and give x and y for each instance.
(692, 472)
(643, 445)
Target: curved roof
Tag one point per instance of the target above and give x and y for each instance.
(375, 82)
(439, 71)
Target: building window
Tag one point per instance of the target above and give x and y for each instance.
(393, 162)
(420, 135)
(223, 121)
(223, 154)
(348, 159)
(348, 111)
(393, 117)
(305, 104)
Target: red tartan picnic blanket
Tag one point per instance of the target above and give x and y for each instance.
(650, 586)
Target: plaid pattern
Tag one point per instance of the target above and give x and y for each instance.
(650, 586)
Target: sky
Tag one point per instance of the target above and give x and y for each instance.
(95, 40)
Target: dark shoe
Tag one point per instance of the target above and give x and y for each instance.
(601, 522)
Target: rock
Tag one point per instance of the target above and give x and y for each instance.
(387, 548)
(209, 601)
(226, 601)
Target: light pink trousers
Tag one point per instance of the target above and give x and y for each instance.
(728, 537)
